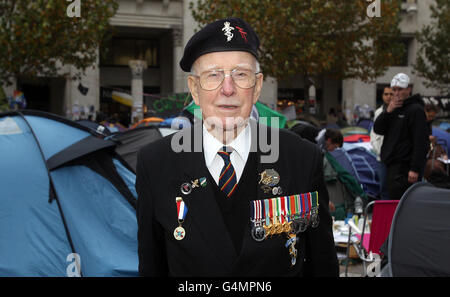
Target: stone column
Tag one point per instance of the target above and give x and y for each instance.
(137, 89)
(178, 74)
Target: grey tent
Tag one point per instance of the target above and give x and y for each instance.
(419, 239)
(130, 141)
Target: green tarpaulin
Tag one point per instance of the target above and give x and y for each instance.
(263, 110)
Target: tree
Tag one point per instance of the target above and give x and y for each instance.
(433, 59)
(316, 37)
(37, 38)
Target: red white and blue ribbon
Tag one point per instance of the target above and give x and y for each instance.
(181, 209)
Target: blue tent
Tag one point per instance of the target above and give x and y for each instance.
(443, 138)
(362, 164)
(65, 196)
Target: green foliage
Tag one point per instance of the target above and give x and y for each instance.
(316, 37)
(37, 37)
(433, 59)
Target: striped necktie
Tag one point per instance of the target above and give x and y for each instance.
(227, 178)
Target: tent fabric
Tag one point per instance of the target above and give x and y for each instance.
(420, 233)
(91, 214)
(98, 128)
(347, 179)
(357, 138)
(132, 140)
(345, 161)
(363, 165)
(85, 146)
(443, 137)
(33, 241)
(366, 167)
(305, 130)
(102, 224)
(354, 130)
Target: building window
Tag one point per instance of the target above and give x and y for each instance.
(119, 51)
(404, 58)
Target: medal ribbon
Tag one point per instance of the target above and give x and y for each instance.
(302, 205)
(315, 203)
(275, 210)
(181, 209)
(309, 204)
(267, 211)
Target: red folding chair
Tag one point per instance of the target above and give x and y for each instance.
(383, 212)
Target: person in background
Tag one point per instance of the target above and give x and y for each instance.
(405, 144)
(377, 141)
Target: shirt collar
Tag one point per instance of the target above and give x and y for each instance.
(241, 144)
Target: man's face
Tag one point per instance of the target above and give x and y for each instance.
(387, 95)
(229, 104)
(431, 115)
(401, 93)
(329, 145)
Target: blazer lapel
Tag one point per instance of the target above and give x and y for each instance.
(204, 211)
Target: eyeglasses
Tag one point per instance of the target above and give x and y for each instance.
(211, 80)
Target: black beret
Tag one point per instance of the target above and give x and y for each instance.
(229, 34)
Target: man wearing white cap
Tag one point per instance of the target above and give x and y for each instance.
(405, 144)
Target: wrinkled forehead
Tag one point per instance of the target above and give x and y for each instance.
(225, 60)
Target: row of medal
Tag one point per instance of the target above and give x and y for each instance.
(287, 214)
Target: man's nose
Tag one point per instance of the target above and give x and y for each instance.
(228, 86)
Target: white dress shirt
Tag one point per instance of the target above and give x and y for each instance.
(376, 140)
(239, 156)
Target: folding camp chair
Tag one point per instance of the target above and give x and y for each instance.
(370, 243)
(419, 239)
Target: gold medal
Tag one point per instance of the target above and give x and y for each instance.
(179, 233)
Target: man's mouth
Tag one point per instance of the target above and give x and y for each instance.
(228, 106)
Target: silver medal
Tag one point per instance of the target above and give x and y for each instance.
(258, 233)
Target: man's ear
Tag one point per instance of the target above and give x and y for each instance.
(193, 88)
(258, 87)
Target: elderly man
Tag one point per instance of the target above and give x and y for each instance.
(405, 145)
(221, 211)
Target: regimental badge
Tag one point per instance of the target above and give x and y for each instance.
(227, 29)
(269, 178)
(186, 188)
(203, 182)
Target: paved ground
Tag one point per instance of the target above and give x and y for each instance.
(354, 270)
(355, 266)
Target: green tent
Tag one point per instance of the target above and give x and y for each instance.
(263, 111)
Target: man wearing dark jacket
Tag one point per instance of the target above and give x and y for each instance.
(217, 206)
(403, 124)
